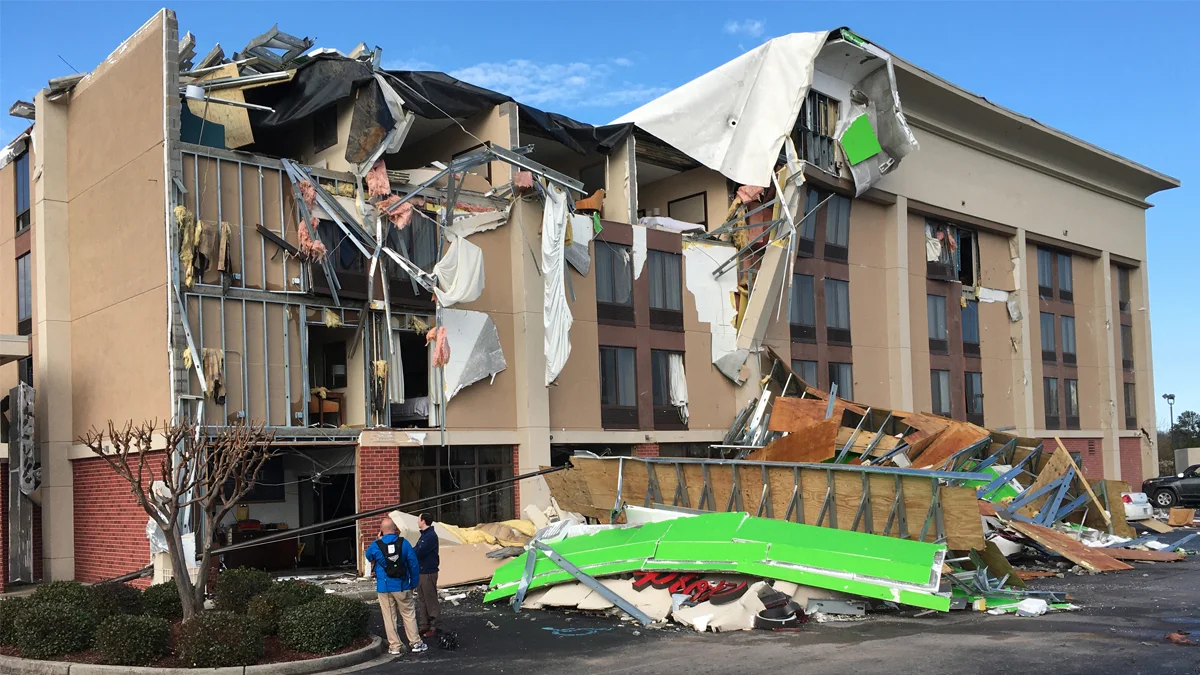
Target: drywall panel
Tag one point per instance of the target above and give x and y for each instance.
(493, 405)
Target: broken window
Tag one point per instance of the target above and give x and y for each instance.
(802, 309)
(970, 328)
(1130, 406)
(1067, 325)
(24, 296)
(1127, 347)
(1045, 263)
(1050, 401)
(614, 283)
(666, 289)
(1065, 289)
(815, 126)
(837, 229)
(936, 312)
(429, 471)
(973, 387)
(324, 128)
(951, 252)
(1071, 390)
(842, 375)
(939, 387)
(1049, 352)
(837, 311)
(807, 370)
(666, 415)
(1123, 289)
(618, 387)
(21, 171)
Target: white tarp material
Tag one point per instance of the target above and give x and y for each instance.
(465, 226)
(639, 249)
(669, 224)
(714, 302)
(556, 317)
(577, 253)
(459, 273)
(475, 351)
(734, 119)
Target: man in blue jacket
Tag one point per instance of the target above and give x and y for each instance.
(427, 595)
(396, 575)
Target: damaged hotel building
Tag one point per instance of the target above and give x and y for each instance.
(420, 285)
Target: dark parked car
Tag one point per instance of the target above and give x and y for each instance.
(1168, 491)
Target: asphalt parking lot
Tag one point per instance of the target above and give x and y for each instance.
(1120, 628)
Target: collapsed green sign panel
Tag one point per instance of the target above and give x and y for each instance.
(868, 565)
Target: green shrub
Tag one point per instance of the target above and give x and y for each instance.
(324, 625)
(9, 610)
(218, 639)
(112, 599)
(235, 587)
(162, 601)
(268, 607)
(127, 640)
(69, 592)
(46, 630)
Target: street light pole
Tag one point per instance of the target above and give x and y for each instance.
(1171, 406)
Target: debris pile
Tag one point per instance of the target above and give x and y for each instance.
(828, 509)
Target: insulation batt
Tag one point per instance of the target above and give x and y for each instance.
(441, 348)
(378, 184)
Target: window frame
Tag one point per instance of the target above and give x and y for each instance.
(849, 396)
(1068, 357)
(803, 332)
(443, 470)
(803, 366)
(1071, 410)
(837, 335)
(1048, 355)
(815, 140)
(1123, 291)
(24, 269)
(1050, 402)
(837, 221)
(666, 416)
(616, 415)
(1045, 258)
(610, 311)
(1129, 393)
(1067, 294)
(973, 396)
(970, 317)
(22, 185)
(1126, 347)
(665, 318)
(936, 318)
(939, 392)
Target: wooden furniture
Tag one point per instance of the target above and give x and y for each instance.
(331, 405)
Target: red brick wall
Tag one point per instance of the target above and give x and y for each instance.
(645, 450)
(1131, 463)
(1091, 454)
(110, 527)
(378, 486)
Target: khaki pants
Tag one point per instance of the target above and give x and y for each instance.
(427, 602)
(401, 601)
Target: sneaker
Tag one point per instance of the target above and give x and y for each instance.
(420, 648)
(395, 652)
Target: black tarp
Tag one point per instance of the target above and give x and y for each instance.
(434, 95)
(318, 84)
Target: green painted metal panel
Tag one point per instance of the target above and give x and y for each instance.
(859, 140)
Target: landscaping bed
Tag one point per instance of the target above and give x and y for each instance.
(255, 621)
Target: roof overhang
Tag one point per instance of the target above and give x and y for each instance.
(13, 348)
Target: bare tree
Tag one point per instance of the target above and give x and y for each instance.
(211, 474)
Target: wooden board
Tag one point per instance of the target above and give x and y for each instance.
(960, 516)
(570, 490)
(1151, 556)
(1057, 542)
(814, 443)
(987, 509)
(1156, 525)
(885, 444)
(1079, 479)
(1057, 466)
(1181, 517)
(1112, 490)
(1028, 575)
(999, 566)
(956, 437)
(794, 414)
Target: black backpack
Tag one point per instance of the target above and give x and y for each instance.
(393, 561)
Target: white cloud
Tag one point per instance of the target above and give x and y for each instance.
(561, 85)
(751, 27)
(623, 62)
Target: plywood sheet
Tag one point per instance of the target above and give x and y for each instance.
(1181, 517)
(961, 518)
(466, 564)
(956, 437)
(1148, 556)
(794, 414)
(1156, 525)
(235, 120)
(814, 443)
(1058, 465)
(569, 488)
(999, 566)
(1057, 542)
(1112, 490)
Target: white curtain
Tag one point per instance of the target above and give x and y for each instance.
(679, 395)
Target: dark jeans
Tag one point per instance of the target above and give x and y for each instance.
(430, 612)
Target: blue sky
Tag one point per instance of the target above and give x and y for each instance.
(1120, 75)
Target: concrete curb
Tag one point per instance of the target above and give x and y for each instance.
(18, 666)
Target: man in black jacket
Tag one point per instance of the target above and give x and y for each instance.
(428, 559)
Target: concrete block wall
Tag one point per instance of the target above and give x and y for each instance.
(110, 527)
